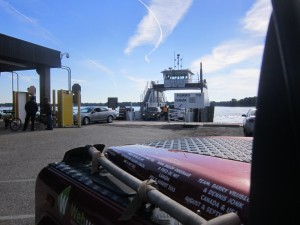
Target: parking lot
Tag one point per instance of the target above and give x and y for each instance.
(24, 154)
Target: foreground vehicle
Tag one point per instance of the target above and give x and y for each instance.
(96, 114)
(146, 184)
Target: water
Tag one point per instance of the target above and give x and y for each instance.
(221, 115)
(229, 114)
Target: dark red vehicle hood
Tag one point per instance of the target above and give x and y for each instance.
(212, 186)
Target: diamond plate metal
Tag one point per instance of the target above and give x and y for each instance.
(239, 149)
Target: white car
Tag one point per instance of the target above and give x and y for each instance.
(177, 114)
(95, 114)
(248, 123)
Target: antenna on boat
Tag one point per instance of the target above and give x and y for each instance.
(201, 77)
(178, 55)
(181, 63)
(174, 61)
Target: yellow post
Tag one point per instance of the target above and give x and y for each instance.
(53, 102)
(68, 109)
(79, 105)
(54, 116)
(65, 108)
(15, 105)
(59, 108)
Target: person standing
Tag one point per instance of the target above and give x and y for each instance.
(48, 112)
(31, 108)
(165, 112)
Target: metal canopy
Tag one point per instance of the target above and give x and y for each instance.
(16, 54)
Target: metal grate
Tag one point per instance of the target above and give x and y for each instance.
(239, 149)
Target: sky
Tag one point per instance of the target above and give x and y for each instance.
(116, 47)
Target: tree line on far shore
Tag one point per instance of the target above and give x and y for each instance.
(247, 102)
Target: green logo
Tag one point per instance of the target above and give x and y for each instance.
(62, 200)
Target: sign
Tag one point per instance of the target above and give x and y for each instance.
(189, 100)
(112, 102)
(31, 90)
(75, 89)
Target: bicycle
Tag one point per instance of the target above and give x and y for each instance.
(42, 119)
(54, 120)
(14, 123)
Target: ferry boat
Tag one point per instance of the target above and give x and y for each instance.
(196, 104)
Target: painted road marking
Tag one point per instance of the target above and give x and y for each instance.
(16, 217)
(17, 181)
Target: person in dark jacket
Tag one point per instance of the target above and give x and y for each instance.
(31, 108)
(165, 112)
(48, 112)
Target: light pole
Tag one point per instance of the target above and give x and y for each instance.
(12, 85)
(67, 68)
(12, 81)
(69, 75)
(12, 72)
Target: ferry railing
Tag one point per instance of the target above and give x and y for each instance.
(145, 91)
(186, 81)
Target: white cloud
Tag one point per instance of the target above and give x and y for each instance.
(227, 54)
(237, 84)
(158, 24)
(257, 18)
(245, 50)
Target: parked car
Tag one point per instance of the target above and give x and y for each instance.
(95, 114)
(173, 114)
(248, 123)
(151, 113)
(177, 114)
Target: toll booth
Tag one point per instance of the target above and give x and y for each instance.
(19, 101)
(65, 108)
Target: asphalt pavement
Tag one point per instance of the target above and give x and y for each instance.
(24, 153)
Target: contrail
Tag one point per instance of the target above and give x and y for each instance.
(103, 68)
(44, 33)
(160, 37)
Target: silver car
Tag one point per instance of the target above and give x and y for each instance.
(248, 123)
(95, 114)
